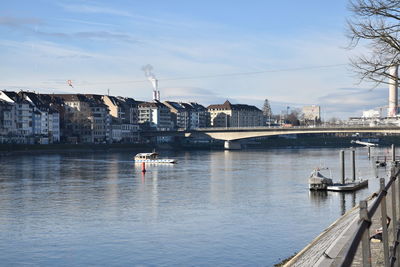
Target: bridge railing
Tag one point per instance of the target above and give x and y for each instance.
(362, 233)
(345, 126)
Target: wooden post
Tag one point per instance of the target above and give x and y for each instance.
(369, 152)
(393, 153)
(385, 238)
(342, 178)
(366, 248)
(353, 158)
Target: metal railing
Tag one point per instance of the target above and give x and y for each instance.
(318, 127)
(362, 235)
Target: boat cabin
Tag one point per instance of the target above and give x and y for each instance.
(144, 156)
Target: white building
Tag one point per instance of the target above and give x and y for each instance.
(156, 114)
(371, 113)
(312, 113)
(23, 112)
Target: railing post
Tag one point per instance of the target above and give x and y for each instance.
(385, 239)
(366, 248)
(393, 154)
(393, 257)
(394, 207)
(353, 159)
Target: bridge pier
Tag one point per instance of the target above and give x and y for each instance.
(231, 145)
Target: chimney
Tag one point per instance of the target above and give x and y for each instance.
(393, 92)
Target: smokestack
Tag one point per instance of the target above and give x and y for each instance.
(393, 92)
(154, 95)
(148, 71)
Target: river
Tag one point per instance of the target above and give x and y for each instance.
(213, 208)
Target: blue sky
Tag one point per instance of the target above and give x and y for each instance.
(296, 48)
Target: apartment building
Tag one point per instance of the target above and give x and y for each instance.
(23, 113)
(124, 118)
(199, 116)
(155, 115)
(187, 115)
(180, 114)
(7, 119)
(122, 109)
(86, 118)
(46, 122)
(235, 115)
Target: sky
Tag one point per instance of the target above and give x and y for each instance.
(291, 52)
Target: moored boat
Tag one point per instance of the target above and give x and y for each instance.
(318, 181)
(351, 186)
(151, 158)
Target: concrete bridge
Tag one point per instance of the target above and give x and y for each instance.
(229, 135)
(232, 134)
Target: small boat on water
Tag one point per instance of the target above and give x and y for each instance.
(318, 181)
(151, 158)
(348, 186)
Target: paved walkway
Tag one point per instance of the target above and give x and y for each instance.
(328, 248)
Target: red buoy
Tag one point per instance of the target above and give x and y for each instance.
(143, 167)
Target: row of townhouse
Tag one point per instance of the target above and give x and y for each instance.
(29, 117)
(26, 118)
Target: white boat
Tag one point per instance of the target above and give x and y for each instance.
(151, 158)
(351, 186)
(318, 181)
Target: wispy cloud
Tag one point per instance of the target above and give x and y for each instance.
(47, 49)
(352, 101)
(191, 94)
(14, 22)
(25, 26)
(94, 9)
(93, 35)
(85, 22)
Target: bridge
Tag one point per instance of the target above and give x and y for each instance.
(232, 134)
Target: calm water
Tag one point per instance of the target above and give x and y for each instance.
(213, 208)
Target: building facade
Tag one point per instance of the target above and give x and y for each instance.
(312, 113)
(155, 115)
(235, 115)
(23, 113)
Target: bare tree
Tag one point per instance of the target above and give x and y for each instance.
(294, 117)
(376, 23)
(267, 112)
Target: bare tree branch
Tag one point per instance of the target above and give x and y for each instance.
(376, 22)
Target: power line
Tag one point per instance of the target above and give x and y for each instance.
(253, 72)
(225, 74)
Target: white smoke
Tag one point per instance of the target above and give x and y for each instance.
(148, 71)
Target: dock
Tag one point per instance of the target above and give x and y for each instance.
(317, 181)
(348, 241)
(331, 247)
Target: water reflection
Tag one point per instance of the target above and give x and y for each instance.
(318, 196)
(214, 208)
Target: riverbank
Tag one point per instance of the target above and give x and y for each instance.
(317, 141)
(272, 142)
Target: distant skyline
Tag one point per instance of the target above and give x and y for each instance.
(290, 52)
